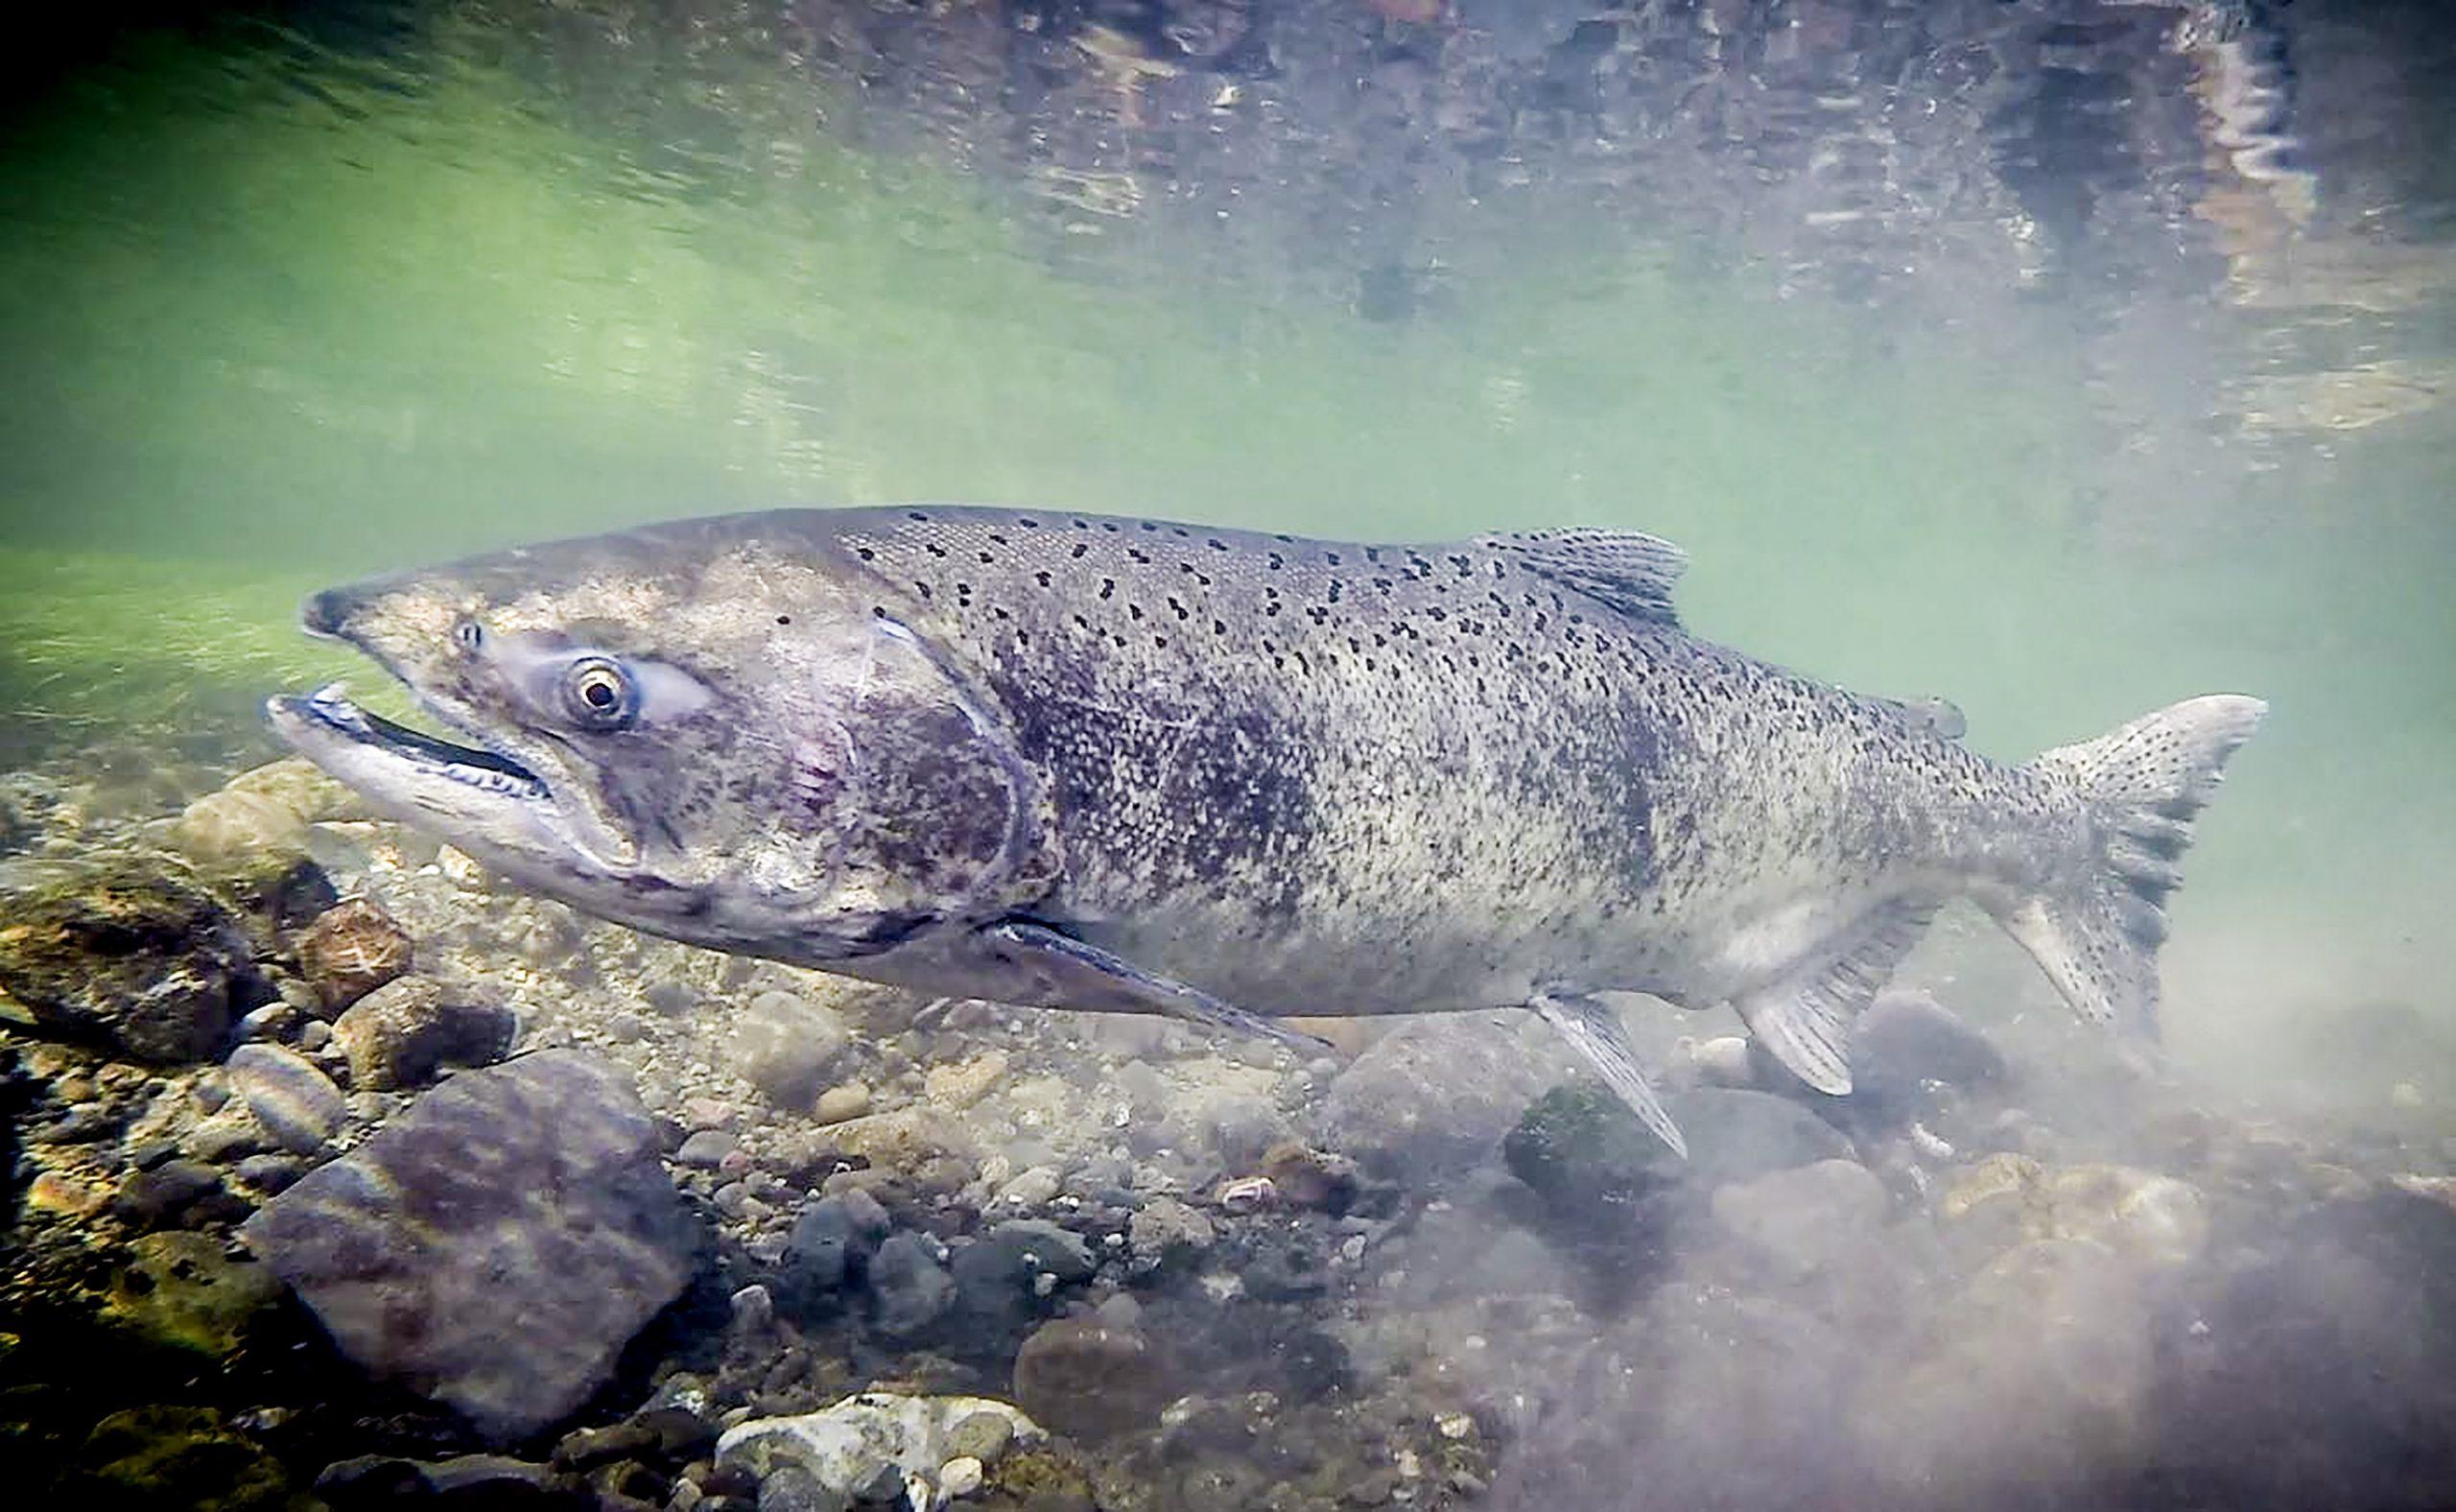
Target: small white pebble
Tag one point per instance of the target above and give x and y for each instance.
(959, 1477)
(1455, 1425)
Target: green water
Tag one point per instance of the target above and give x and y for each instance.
(280, 312)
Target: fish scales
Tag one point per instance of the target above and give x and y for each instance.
(1069, 760)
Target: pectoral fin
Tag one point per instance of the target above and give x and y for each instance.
(1594, 1030)
(1073, 974)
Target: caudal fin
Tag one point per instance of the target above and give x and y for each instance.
(2096, 937)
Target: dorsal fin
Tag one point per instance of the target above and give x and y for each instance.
(1631, 572)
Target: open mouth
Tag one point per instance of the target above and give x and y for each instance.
(478, 767)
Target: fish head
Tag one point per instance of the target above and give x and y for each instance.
(704, 731)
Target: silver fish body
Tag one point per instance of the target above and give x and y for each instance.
(1078, 760)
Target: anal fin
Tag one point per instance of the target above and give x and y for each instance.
(1594, 1031)
(1806, 1021)
(1074, 975)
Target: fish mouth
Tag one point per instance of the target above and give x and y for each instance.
(328, 711)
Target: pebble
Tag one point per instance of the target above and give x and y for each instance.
(784, 1046)
(1166, 1229)
(909, 1286)
(705, 1150)
(297, 1104)
(836, 1105)
(753, 1308)
(965, 1083)
(1088, 1380)
(981, 1437)
(352, 949)
(1033, 1188)
(405, 1032)
(959, 1477)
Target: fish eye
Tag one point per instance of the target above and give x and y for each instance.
(600, 694)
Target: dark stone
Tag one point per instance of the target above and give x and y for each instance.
(831, 1243)
(164, 1193)
(173, 1457)
(588, 1447)
(1585, 1153)
(372, 1480)
(131, 952)
(997, 1276)
(677, 1434)
(1907, 1041)
(471, 1479)
(495, 1246)
(909, 1288)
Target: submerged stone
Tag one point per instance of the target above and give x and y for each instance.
(1090, 1379)
(405, 1032)
(496, 1246)
(129, 951)
(297, 1104)
(352, 949)
(841, 1452)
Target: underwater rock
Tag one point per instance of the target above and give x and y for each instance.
(495, 1246)
(842, 1450)
(1905, 1049)
(838, 1104)
(234, 827)
(785, 1045)
(831, 1243)
(297, 1104)
(128, 951)
(1308, 1177)
(1581, 1149)
(1434, 1094)
(406, 1031)
(956, 1085)
(909, 1286)
(1091, 1380)
(352, 949)
(1163, 1230)
(175, 1457)
(181, 1289)
(2010, 1200)
(1001, 1276)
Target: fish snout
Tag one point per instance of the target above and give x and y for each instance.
(328, 612)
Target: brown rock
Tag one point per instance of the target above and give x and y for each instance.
(404, 1032)
(1308, 1177)
(1090, 1379)
(350, 950)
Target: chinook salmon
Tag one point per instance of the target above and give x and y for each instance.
(1068, 761)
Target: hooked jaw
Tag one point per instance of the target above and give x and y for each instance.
(514, 810)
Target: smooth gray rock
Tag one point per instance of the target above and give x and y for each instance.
(1435, 1094)
(786, 1045)
(297, 1104)
(496, 1246)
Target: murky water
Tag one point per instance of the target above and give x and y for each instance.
(2059, 359)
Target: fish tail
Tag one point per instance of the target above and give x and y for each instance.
(2096, 934)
